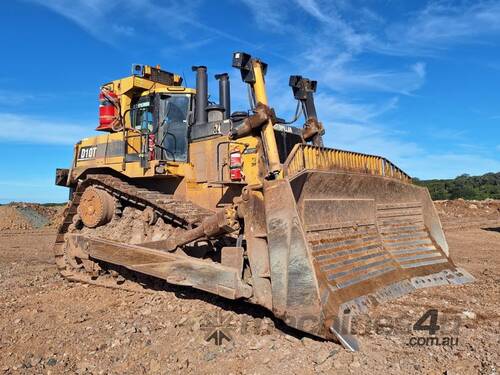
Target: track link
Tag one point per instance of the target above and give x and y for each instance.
(179, 213)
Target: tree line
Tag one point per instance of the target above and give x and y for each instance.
(464, 186)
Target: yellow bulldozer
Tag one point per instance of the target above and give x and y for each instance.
(243, 205)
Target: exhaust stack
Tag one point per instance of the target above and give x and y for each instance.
(201, 115)
(224, 93)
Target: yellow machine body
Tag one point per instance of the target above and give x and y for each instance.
(204, 175)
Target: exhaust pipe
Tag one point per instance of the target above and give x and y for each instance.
(201, 114)
(224, 93)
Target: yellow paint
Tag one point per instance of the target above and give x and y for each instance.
(268, 137)
(310, 157)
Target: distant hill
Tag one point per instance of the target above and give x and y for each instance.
(464, 186)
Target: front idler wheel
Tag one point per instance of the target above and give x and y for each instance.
(96, 208)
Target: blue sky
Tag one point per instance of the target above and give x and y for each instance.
(415, 81)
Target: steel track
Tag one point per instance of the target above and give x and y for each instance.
(179, 213)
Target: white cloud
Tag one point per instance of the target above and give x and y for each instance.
(26, 129)
(345, 78)
(440, 25)
(93, 16)
(419, 68)
(334, 22)
(408, 155)
(174, 19)
(442, 22)
(370, 139)
(332, 108)
(329, 49)
(273, 18)
(11, 98)
(311, 7)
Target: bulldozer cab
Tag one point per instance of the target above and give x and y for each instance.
(165, 118)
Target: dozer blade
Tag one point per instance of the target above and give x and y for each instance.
(341, 242)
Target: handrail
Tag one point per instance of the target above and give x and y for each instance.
(305, 156)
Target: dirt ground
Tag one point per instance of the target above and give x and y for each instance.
(51, 326)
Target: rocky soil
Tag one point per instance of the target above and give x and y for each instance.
(29, 216)
(51, 326)
(461, 213)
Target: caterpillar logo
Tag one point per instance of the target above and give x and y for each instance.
(87, 153)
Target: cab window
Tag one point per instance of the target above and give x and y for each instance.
(173, 126)
(142, 115)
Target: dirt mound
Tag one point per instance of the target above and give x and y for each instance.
(460, 208)
(460, 213)
(27, 216)
(11, 218)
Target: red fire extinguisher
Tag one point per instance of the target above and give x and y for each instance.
(108, 110)
(235, 165)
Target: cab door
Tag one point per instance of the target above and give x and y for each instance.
(173, 129)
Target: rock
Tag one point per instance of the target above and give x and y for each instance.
(338, 364)
(469, 315)
(323, 354)
(146, 311)
(266, 326)
(355, 364)
(209, 356)
(82, 367)
(309, 343)
(257, 346)
(285, 353)
(291, 338)
(321, 357)
(81, 318)
(51, 361)
(196, 326)
(35, 361)
(131, 330)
